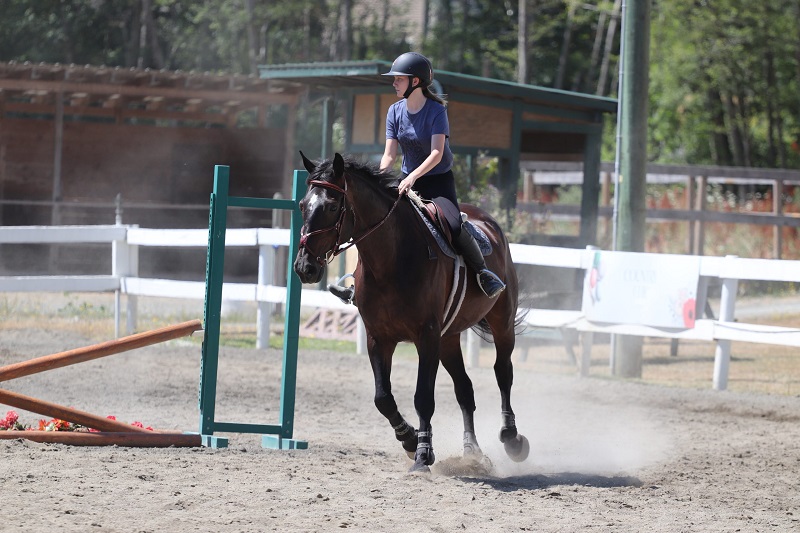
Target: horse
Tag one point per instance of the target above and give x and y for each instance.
(403, 284)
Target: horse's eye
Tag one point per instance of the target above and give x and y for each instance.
(303, 206)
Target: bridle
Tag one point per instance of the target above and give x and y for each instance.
(338, 246)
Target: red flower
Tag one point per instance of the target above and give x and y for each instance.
(10, 421)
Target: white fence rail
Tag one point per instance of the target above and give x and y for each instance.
(124, 279)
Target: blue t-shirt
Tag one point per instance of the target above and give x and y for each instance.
(414, 131)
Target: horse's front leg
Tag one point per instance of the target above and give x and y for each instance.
(424, 401)
(380, 357)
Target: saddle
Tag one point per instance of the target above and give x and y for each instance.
(434, 214)
(435, 220)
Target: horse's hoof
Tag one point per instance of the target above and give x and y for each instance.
(518, 448)
(471, 448)
(419, 468)
(410, 447)
(472, 451)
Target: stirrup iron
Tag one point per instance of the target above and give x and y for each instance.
(345, 294)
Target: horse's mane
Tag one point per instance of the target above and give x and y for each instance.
(386, 180)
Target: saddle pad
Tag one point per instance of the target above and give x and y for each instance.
(447, 249)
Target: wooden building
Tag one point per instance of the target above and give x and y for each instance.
(73, 138)
(510, 121)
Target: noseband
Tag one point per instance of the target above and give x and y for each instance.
(337, 227)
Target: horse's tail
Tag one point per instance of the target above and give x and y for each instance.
(482, 330)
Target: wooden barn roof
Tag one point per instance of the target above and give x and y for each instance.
(367, 74)
(30, 88)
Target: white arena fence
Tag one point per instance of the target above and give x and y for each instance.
(124, 279)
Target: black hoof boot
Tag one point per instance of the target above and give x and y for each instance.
(407, 435)
(424, 457)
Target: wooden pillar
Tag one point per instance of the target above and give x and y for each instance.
(605, 201)
(2, 154)
(691, 191)
(700, 207)
(627, 349)
(590, 192)
(777, 210)
(57, 158)
(528, 184)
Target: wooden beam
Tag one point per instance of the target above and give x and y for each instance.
(80, 438)
(41, 407)
(96, 351)
(142, 91)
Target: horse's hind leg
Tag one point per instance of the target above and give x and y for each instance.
(453, 361)
(516, 445)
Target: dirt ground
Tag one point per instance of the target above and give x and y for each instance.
(606, 454)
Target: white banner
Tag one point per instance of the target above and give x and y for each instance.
(657, 290)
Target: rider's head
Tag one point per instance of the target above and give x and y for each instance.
(413, 65)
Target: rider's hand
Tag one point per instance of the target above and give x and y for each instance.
(405, 185)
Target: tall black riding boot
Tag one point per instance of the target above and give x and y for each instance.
(467, 246)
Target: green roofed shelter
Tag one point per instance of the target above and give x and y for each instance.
(510, 121)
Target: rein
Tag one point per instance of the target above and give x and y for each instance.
(338, 247)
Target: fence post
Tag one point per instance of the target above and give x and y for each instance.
(124, 264)
(700, 207)
(473, 349)
(722, 355)
(361, 337)
(777, 210)
(266, 265)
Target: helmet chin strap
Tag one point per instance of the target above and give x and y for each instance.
(411, 87)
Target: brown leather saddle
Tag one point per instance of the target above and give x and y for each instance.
(433, 217)
(436, 216)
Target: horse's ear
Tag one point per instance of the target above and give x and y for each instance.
(310, 166)
(338, 165)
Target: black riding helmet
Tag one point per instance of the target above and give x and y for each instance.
(413, 65)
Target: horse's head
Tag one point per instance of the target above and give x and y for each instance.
(324, 210)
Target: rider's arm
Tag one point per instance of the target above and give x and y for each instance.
(389, 154)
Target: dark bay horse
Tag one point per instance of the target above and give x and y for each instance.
(403, 285)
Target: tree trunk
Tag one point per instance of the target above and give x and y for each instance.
(252, 40)
(462, 42)
(565, 43)
(734, 134)
(719, 139)
(598, 43)
(152, 35)
(769, 75)
(744, 120)
(522, 41)
(346, 31)
(131, 34)
(444, 30)
(612, 30)
(425, 24)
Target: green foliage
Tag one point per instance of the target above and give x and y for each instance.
(724, 74)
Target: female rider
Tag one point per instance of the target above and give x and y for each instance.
(418, 124)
